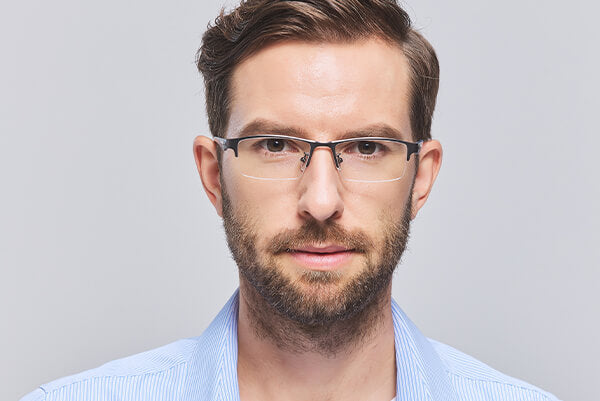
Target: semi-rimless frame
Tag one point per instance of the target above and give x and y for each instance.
(232, 143)
(281, 157)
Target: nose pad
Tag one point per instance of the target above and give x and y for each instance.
(305, 160)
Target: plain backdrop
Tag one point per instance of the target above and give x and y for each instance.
(109, 247)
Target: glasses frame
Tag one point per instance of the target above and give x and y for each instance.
(232, 143)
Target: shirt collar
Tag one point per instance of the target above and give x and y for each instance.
(212, 374)
(420, 373)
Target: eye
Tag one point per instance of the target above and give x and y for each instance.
(275, 145)
(366, 148)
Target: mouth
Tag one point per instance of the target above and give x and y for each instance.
(322, 258)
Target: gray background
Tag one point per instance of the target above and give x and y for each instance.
(109, 247)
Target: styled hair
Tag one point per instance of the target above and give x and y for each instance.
(254, 24)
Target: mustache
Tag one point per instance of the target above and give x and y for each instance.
(313, 232)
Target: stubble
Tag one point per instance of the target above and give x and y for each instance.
(320, 311)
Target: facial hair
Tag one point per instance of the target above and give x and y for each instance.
(314, 313)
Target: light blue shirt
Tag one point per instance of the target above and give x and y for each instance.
(205, 368)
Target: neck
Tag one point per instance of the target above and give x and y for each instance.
(352, 359)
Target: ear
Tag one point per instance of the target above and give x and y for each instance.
(205, 153)
(430, 161)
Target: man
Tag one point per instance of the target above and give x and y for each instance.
(322, 155)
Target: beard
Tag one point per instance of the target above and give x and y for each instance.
(319, 311)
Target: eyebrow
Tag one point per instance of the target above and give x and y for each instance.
(265, 127)
(375, 130)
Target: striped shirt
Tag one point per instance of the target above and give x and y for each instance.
(205, 368)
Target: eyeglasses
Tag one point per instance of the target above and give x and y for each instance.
(276, 157)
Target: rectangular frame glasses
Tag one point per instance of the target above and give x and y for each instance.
(280, 157)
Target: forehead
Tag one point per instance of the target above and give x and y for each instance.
(324, 89)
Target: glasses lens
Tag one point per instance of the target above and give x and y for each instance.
(366, 160)
(276, 158)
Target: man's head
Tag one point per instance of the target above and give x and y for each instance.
(318, 249)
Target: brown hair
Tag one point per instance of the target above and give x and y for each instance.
(236, 35)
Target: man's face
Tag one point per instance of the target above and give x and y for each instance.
(318, 248)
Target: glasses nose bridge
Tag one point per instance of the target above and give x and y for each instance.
(330, 146)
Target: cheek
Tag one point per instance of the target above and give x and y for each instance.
(377, 204)
(271, 208)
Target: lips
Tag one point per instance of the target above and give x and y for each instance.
(322, 249)
(323, 258)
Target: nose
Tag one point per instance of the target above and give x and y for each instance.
(320, 188)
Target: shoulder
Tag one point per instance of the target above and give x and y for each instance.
(193, 368)
(475, 380)
(159, 372)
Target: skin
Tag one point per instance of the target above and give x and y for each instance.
(325, 90)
